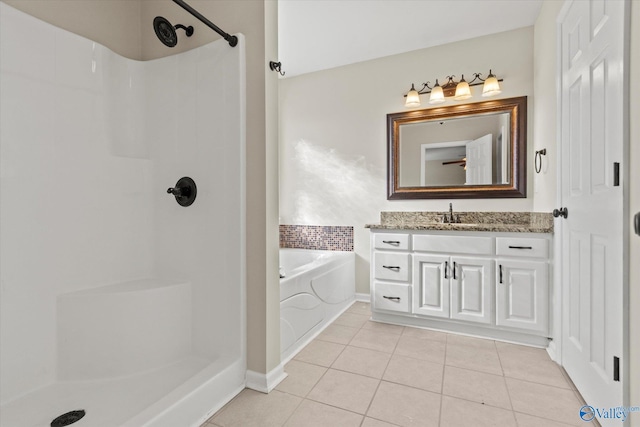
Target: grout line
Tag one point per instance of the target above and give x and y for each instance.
(333, 406)
(499, 360)
(545, 385)
(380, 380)
(337, 407)
(295, 409)
(545, 418)
(504, 380)
(479, 403)
(373, 397)
(444, 367)
(382, 421)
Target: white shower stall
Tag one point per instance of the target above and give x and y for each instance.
(116, 300)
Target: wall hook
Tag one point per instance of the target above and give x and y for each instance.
(277, 67)
(538, 159)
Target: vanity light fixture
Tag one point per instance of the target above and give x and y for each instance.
(459, 90)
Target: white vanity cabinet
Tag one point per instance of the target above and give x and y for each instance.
(522, 288)
(482, 283)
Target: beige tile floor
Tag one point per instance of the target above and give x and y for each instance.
(362, 373)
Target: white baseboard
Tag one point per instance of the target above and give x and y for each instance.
(552, 351)
(265, 382)
(363, 297)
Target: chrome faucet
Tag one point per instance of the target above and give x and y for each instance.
(451, 219)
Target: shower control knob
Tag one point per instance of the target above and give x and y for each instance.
(185, 191)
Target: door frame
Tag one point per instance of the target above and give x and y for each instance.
(555, 347)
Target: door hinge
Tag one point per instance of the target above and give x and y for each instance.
(616, 174)
(616, 368)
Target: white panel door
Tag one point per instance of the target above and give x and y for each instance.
(431, 285)
(592, 65)
(479, 167)
(471, 284)
(522, 295)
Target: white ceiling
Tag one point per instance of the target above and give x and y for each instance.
(317, 35)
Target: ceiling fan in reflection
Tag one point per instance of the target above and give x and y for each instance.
(462, 162)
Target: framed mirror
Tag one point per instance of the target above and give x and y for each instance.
(462, 151)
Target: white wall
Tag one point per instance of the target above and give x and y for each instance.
(545, 107)
(333, 132)
(112, 23)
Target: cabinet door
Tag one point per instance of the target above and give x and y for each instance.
(471, 286)
(523, 295)
(431, 285)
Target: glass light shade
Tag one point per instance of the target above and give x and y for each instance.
(491, 86)
(437, 95)
(462, 91)
(413, 98)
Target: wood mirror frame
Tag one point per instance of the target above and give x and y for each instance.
(517, 186)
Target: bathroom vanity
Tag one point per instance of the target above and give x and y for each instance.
(487, 276)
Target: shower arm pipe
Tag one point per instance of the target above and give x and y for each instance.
(233, 40)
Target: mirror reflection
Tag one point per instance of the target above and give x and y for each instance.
(454, 152)
(475, 150)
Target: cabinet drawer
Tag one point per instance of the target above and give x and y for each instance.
(453, 244)
(390, 242)
(391, 297)
(522, 247)
(390, 266)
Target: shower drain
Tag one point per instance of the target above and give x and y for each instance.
(68, 418)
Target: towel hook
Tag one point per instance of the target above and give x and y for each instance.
(277, 67)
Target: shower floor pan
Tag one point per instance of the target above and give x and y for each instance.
(125, 357)
(131, 401)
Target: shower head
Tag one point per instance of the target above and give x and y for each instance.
(167, 32)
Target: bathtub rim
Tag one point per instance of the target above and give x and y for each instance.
(326, 256)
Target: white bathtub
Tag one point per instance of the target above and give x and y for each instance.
(318, 286)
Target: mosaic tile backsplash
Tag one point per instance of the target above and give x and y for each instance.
(318, 237)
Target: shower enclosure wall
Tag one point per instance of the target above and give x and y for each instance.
(115, 299)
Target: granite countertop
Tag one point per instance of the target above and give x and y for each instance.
(506, 222)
